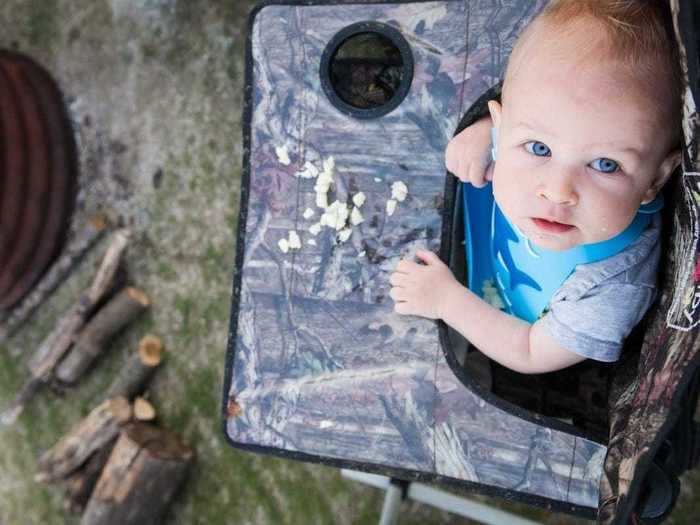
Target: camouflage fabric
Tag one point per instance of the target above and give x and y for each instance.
(319, 367)
(650, 382)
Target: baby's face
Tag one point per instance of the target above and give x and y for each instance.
(580, 147)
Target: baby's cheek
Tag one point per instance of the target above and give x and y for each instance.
(616, 218)
(502, 192)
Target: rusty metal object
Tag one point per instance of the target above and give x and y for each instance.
(37, 174)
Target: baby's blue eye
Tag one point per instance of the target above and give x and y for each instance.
(605, 165)
(538, 148)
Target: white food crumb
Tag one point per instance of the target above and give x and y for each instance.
(399, 191)
(311, 242)
(282, 155)
(325, 424)
(377, 179)
(344, 235)
(309, 171)
(283, 245)
(294, 240)
(315, 229)
(321, 200)
(359, 199)
(335, 216)
(390, 207)
(323, 182)
(356, 217)
(308, 213)
(329, 166)
(362, 253)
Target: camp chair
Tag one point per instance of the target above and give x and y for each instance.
(319, 368)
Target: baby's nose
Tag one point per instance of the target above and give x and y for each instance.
(559, 188)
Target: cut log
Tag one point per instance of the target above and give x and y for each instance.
(80, 484)
(150, 349)
(134, 377)
(54, 347)
(122, 309)
(143, 410)
(97, 429)
(144, 471)
(57, 343)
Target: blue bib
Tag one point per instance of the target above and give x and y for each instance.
(525, 275)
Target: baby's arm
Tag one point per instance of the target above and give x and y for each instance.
(468, 154)
(430, 290)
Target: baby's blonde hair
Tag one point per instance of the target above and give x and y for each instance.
(640, 35)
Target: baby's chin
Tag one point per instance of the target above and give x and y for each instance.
(553, 245)
(567, 241)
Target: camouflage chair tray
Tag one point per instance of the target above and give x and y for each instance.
(349, 108)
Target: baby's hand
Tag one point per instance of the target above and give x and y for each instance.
(468, 154)
(420, 289)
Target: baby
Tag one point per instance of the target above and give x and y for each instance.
(586, 133)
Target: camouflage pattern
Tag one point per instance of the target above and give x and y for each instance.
(652, 379)
(319, 365)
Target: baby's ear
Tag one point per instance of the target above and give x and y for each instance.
(495, 110)
(666, 169)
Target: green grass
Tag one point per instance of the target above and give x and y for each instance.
(42, 20)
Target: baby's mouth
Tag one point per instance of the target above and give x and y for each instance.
(552, 226)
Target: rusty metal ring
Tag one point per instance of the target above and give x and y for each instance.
(37, 183)
(14, 187)
(47, 174)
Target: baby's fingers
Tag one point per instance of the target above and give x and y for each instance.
(406, 266)
(453, 159)
(404, 308)
(489, 172)
(428, 257)
(398, 279)
(480, 172)
(398, 294)
(476, 176)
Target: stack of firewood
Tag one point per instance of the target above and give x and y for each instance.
(81, 333)
(116, 465)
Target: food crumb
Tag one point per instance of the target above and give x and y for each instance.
(399, 190)
(335, 216)
(282, 155)
(309, 171)
(344, 234)
(359, 199)
(329, 166)
(322, 200)
(315, 228)
(356, 217)
(294, 240)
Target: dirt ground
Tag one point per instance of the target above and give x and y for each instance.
(155, 94)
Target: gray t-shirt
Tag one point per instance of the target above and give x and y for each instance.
(599, 304)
